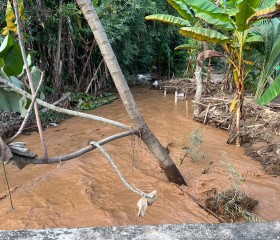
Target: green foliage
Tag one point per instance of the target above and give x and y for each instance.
(203, 34)
(196, 142)
(236, 178)
(269, 53)
(11, 67)
(272, 92)
(87, 102)
(11, 58)
(168, 19)
(138, 45)
(49, 117)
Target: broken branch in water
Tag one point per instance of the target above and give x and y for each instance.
(63, 110)
(21, 160)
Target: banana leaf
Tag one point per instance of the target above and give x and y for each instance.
(254, 38)
(270, 12)
(268, 3)
(214, 21)
(272, 92)
(182, 9)
(168, 19)
(207, 7)
(184, 46)
(204, 34)
(246, 9)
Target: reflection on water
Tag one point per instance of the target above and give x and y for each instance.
(87, 192)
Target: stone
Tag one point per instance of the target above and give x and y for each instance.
(240, 231)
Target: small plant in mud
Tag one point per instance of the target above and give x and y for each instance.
(233, 204)
(195, 149)
(236, 178)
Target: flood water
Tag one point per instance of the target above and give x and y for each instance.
(87, 192)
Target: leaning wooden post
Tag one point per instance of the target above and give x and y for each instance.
(145, 133)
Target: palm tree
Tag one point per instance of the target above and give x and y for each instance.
(145, 133)
(268, 31)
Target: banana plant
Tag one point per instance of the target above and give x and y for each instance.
(230, 23)
(11, 69)
(10, 17)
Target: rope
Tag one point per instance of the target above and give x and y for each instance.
(133, 189)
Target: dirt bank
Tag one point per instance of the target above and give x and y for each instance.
(260, 127)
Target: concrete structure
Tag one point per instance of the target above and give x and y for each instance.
(240, 231)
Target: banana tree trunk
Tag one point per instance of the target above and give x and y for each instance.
(145, 133)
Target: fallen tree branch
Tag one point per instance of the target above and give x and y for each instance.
(184, 190)
(23, 161)
(63, 110)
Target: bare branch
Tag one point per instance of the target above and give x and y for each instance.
(26, 160)
(28, 112)
(94, 75)
(29, 75)
(63, 110)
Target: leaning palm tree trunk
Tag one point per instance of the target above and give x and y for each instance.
(145, 133)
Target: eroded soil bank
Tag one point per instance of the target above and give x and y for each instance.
(87, 192)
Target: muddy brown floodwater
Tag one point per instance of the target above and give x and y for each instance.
(87, 192)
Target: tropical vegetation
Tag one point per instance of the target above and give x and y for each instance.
(70, 57)
(227, 23)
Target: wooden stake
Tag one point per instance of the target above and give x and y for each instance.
(207, 110)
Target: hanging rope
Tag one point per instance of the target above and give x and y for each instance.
(133, 189)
